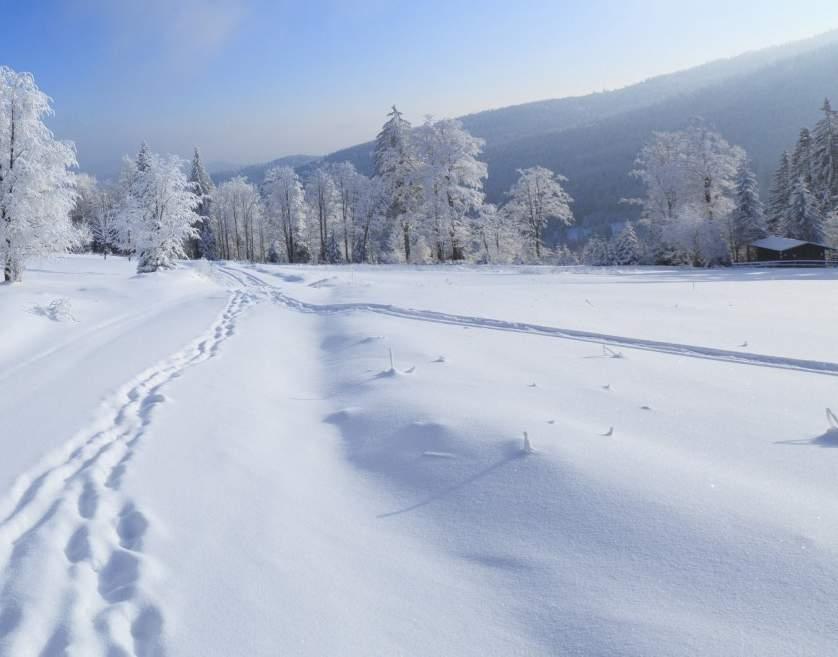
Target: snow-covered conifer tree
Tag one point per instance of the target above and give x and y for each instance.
(825, 159)
(36, 179)
(746, 222)
(780, 193)
(204, 246)
(159, 210)
(801, 159)
(536, 198)
(804, 219)
(596, 252)
(626, 249)
(395, 166)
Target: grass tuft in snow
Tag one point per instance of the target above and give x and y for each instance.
(611, 353)
(527, 448)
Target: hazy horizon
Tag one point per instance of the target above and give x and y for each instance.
(251, 80)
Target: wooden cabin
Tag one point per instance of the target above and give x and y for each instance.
(788, 251)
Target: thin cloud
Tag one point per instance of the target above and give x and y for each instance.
(181, 31)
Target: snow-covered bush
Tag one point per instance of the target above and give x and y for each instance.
(58, 310)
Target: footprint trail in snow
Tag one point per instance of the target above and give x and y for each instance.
(71, 542)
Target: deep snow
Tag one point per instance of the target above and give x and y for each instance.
(257, 480)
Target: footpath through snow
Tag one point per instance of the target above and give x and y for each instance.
(278, 486)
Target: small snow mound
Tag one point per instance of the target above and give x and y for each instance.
(370, 339)
(58, 310)
(203, 268)
(439, 455)
(439, 359)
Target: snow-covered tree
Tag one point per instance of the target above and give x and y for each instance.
(204, 246)
(660, 167)
(536, 198)
(497, 239)
(237, 208)
(322, 200)
(825, 159)
(395, 166)
(596, 252)
(36, 179)
(159, 210)
(831, 229)
(696, 240)
(286, 207)
(687, 175)
(452, 178)
(804, 218)
(565, 257)
(746, 222)
(780, 194)
(626, 249)
(711, 166)
(104, 220)
(351, 188)
(369, 220)
(801, 158)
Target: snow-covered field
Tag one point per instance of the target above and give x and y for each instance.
(221, 461)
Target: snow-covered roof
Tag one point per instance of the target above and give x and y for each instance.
(774, 243)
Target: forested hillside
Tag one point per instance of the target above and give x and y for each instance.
(758, 100)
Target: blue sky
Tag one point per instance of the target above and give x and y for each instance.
(250, 80)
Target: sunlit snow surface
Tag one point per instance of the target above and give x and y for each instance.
(264, 460)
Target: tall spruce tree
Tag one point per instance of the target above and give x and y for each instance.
(825, 159)
(396, 165)
(778, 203)
(747, 221)
(804, 219)
(801, 159)
(204, 245)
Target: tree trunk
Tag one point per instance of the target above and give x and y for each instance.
(12, 271)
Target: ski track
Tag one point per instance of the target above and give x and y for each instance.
(71, 542)
(672, 348)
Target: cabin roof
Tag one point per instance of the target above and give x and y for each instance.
(775, 243)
